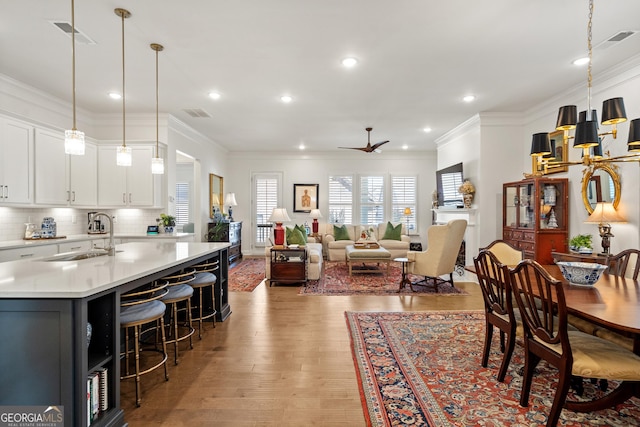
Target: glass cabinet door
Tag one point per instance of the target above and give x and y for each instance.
(552, 215)
(511, 206)
(526, 209)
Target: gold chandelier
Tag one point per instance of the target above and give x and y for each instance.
(587, 136)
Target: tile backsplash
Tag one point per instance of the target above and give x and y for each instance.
(70, 221)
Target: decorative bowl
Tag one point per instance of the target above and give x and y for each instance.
(581, 273)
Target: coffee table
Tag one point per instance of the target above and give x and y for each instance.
(377, 255)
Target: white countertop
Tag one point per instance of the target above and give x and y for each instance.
(37, 278)
(15, 244)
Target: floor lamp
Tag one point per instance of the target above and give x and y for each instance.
(407, 213)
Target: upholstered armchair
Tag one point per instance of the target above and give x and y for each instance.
(442, 252)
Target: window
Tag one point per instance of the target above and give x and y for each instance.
(404, 194)
(267, 189)
(371, 200)
(340, 199)
(182, 203)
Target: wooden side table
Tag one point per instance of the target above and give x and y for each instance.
(288, 265)
(405, 280)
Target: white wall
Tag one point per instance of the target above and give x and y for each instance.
(315, 168)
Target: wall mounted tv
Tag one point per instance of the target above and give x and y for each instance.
(449, 180)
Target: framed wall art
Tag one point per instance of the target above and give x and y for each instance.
(305, 197)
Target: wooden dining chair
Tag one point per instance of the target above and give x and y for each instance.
(498, 308)
(573, 353)
(505, 253)
(625, 264)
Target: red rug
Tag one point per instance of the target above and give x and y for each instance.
(423, 369)
(335, 280)
(246, 275)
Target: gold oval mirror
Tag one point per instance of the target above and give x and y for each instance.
(216, 191)
(600, 184)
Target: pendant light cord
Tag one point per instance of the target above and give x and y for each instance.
(590, 49)
(157, 126)
(124, 144)
(73, 62)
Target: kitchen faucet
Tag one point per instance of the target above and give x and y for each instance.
(111, 249)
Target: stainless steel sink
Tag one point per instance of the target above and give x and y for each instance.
(76, 256)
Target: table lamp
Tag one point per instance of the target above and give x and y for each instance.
(315, 214)
(604, 214)
(407, 213)
(278, 216)
(230, 200)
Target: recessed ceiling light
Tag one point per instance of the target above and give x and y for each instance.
(581, 61)
(214, 95)
(469, 98)
(286, 99)
(114, 95)
(349, 62)
(405, 147)
(301, 147)
(427, 129)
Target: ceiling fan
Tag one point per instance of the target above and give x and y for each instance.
(375, 148)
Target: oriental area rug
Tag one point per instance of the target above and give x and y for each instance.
(246, 275)
(423, 369)
(335, 280)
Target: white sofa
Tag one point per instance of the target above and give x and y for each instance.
(314, 259)
(335, 249)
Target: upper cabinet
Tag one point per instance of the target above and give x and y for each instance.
(535, 216)
(63, 179)
(120, 186)
(16, 162)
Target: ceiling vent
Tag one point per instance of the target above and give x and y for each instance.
(65, 27)
(197, 112)
(615, 39)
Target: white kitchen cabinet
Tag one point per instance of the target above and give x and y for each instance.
(63, 179)
(28, 252)
(16, 162)
(76, 246)
(125, 185)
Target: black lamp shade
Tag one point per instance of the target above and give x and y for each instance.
(540, 144)
(597, 150)
(566, 117)
(586, 134)
(582, 117)
(634, 133)
(613, 111)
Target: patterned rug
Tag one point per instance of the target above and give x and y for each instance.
(423, 369)
(246, 275)
(335, 280)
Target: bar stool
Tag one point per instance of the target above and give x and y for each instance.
(179, 292)
(137, 308)
(204, 279)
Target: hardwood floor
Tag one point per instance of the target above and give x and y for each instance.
(280, 359)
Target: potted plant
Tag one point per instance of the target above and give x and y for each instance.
(581, 243)
(168, 222)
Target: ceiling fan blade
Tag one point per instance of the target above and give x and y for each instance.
(379, 144)
(355, 148)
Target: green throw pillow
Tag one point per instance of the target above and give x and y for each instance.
(392, 233)
(303, 231)
(341, 233)
(295, 237)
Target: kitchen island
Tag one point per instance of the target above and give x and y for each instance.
(46, 304)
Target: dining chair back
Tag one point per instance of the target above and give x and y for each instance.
(505, 253)
(498, 307)
(542, 305)
(625, 263)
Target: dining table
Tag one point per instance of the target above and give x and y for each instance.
(614, 303)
